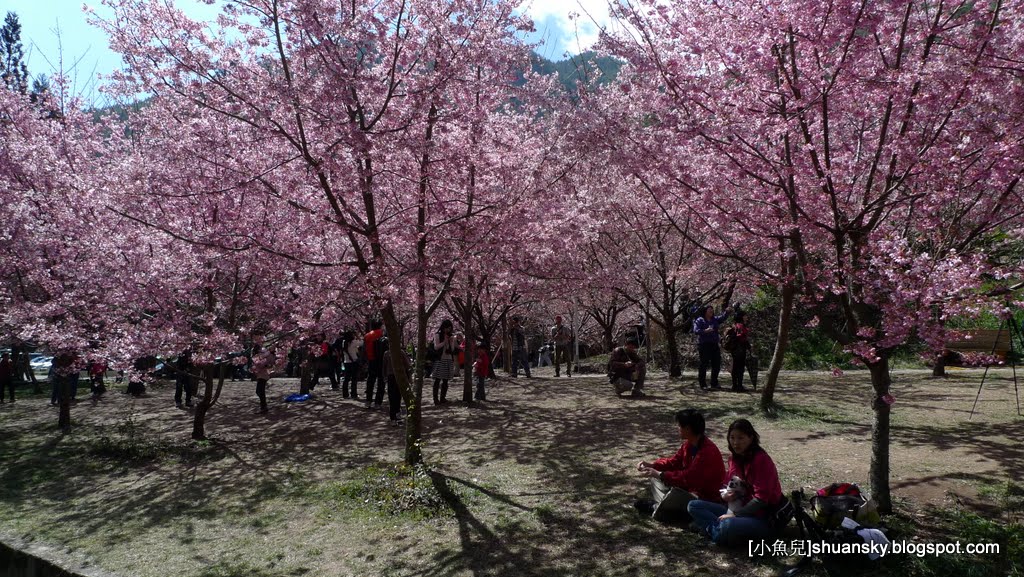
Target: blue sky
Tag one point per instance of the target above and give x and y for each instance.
(52, 29)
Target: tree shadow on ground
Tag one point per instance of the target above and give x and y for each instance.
(570, 445)
(597, 536)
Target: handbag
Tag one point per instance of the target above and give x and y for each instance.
(782, 514)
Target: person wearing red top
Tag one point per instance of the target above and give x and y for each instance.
(96, 371)
(481, 368)
(374, 375)
(761, 492)
(740, 351)
(694, 472)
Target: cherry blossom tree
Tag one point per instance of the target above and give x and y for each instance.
(840, 136)
(46, 166)
(373, 132)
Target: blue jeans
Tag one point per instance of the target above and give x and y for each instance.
(732, 531)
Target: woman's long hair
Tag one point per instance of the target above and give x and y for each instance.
(744, 426)
(445, 323)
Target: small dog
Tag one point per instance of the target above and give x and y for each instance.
(733, 493)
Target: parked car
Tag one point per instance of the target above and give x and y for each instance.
(39, 362)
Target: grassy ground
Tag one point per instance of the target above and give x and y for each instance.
(537, 481)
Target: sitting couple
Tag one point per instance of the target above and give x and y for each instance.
(731, 506)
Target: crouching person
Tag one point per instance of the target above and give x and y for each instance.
(626, 370)
(694, 472)
(753, 493)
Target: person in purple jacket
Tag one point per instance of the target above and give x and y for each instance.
(757, 493)
(708, 338)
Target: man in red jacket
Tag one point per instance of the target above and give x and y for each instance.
(695, 472)
(375, 371)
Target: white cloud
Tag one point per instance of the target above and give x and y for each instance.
(574, 35)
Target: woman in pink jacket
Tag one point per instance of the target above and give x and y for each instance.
(755, 497)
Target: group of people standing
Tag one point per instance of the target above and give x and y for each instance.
(446, 354)
(559, 346)
(708, 327)
(352, 357)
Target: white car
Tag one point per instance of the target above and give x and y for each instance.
(40, 363)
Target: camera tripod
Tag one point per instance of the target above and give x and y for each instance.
(1010, 324)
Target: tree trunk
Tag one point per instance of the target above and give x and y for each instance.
(781, 344)
(23, 369)
(412, 395)
(939, 368)
(675, 363)
(880, 432)
(647, 331)
(199, 422)
(506, 348)
(609, 338)
(468, 348)
(64, 394)
(305, 371)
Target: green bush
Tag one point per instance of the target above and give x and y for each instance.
(129, 442)
(392, 490)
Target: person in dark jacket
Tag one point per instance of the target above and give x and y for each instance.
(520, 355)
(694, 472)
(627, 370)
(183, 378)
(740, 349)
(708, 339)
(481, 370)
(6, 376)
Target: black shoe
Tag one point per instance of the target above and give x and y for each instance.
(739, 389)
(716, 388)
(637, 394)
(645, 506)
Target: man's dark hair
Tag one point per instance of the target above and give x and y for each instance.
(376, 324)
(692, 419)
(632, 341)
